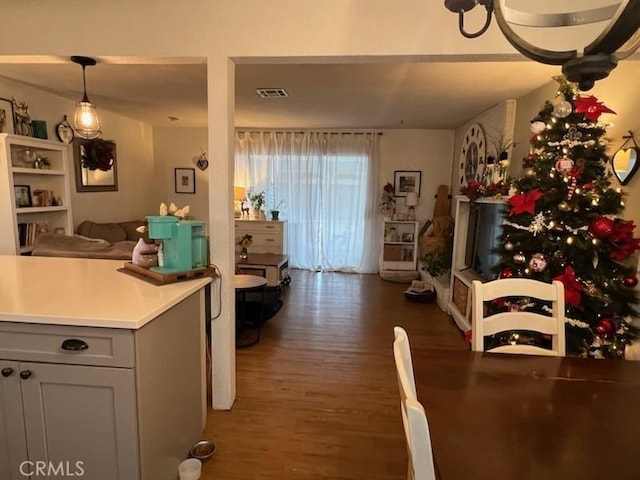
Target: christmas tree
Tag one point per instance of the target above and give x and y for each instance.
(561, 223)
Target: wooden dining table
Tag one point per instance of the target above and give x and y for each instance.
(519, 417)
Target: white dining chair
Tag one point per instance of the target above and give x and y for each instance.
(414, 419)
(404, 365)
(483, 326)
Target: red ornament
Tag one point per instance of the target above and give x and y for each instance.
(602, 227)
(587, 186)
(506, 273)
(630, 281)
(606, 328)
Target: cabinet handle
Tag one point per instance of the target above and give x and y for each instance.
(7, 371)
(25, 374)
(74, 345)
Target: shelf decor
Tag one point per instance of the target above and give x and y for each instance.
(6, 116)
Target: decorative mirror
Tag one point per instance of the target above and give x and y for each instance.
(625, 160)
(95, 165)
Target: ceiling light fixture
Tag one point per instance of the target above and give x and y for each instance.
(86, 122)
(618, 40)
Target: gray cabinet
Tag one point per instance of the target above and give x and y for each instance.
(107, 403)
(81, 419)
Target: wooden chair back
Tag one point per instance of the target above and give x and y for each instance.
(553, 325)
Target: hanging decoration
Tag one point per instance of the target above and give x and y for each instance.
(625, 160)
(524, 202)
(591, 107)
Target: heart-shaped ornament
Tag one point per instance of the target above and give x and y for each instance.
(64, 131)
(625, 164)
(202, 162)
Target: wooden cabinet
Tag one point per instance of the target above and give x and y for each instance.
(399, 245)
(34, 188)
(116, 403)
(267, 236)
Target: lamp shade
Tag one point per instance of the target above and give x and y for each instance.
(238, 193)
(411, 200)
(86, 120)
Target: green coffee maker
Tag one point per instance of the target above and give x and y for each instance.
(184, 245)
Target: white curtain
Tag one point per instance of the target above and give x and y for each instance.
(324, 185)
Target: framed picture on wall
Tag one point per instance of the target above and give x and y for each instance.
(185, 180)
(406, 181)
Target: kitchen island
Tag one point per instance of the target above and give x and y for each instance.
(102, 373)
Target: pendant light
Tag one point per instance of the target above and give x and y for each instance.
(85, 120)
(620, 38)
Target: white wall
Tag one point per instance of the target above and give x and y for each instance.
(133, 139)
(181, 148)
(426, 150)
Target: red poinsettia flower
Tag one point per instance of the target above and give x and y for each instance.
(525, 202)
(572, 288)
(623, 241)
(591, 107)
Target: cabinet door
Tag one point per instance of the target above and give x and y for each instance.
(13, 445)
(82, 414)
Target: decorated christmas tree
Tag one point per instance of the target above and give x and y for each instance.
(562, 223)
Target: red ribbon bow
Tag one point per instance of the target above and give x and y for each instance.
(591, 107)
(524, 202)
(572, 288)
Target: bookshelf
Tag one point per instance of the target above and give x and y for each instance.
(34, 186)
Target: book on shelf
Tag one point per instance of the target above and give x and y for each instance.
(28, 232)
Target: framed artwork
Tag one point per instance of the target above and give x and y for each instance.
(6, 116)
(406, 181)
(185, 180)
(23, 195)
(95, 165)
(407, 237)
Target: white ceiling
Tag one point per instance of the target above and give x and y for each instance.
(366, 95)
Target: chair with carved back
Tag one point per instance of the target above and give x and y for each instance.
(553, 325)
(414, 418)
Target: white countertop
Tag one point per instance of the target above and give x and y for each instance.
(83, 292)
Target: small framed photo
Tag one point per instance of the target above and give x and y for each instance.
(6, 116)
(185, 180)
(23, 195)
(407, 237)
(406, 181)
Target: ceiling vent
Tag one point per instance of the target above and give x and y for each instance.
(272, 92)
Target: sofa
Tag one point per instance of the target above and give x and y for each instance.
(115, 240)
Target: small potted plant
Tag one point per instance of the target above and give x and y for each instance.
(275, 213)
(387, 201)
(257, 200)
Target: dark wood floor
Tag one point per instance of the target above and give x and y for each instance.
(317, 398)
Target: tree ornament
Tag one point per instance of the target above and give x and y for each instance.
(519, 258)
(606, 328)
(591, 107)
(564, 206)
(602, 227)
(572, 288)
(562, 108)
(508, 246)
(506, 273)
(573, 134)
(537, 127)
(538, 263)
(571, 190)
(564, 164)
(525, 202)
(630, 281)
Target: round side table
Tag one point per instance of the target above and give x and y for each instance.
(244, 284)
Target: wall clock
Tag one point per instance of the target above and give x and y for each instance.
(472, 154)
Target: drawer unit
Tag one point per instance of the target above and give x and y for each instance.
(267, 236)
(70, 345)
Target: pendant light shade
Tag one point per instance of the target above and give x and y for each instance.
(86, 122)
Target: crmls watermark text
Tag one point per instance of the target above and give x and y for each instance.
(49, 469)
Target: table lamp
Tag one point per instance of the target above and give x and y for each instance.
(238, 200)
(411, 200)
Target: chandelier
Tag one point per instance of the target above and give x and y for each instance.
(594, 62)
